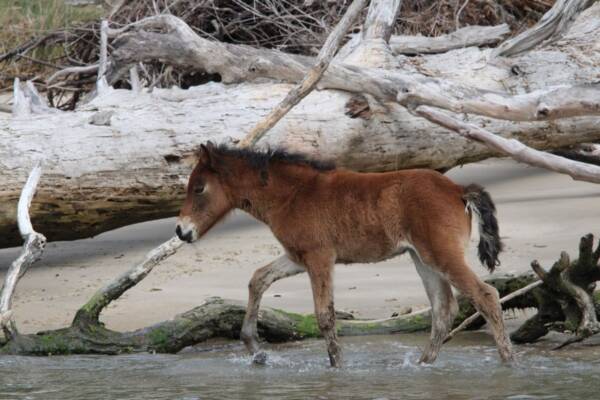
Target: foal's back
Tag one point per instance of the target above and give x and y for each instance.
(368, 217)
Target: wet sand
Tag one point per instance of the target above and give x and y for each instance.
(540, 214)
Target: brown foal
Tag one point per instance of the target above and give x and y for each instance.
(322, 215)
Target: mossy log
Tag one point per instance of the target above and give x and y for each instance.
(217, 318)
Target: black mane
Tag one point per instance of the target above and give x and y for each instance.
(260, 159)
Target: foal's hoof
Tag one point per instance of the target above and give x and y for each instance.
(426, 359)
(259, 358)
(508, 359)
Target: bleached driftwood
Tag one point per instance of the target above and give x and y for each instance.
(543, 104)
(464, 37)
(20, 106)
(513, 148)
(27, 101)
(90, 312)
(134, 79)
(553, 25)
(31, 252)
(101, 83)
(370, 48)
(468, 321)
(241, 63)
(71, 70)
(309, 82)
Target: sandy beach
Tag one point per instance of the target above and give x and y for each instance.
(540, 214)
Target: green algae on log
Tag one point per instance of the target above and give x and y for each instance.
(216, 318)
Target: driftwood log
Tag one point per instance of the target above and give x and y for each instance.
(119, 159)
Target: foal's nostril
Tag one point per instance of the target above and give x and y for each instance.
(186, 238)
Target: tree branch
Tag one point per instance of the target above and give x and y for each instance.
(90, 312)
(539, 105)
(464, 37)
(31, 252)
(235, 63)
(514, 148)
(468, 321)
(71, 70)
(551, 26)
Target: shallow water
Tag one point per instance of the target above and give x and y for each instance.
(382, 367)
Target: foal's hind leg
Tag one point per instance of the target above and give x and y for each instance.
(486, 300)
(443, 307)
(264, 277)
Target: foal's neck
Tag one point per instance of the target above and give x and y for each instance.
(278, 188)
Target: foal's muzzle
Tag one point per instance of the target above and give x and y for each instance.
(187, 237)
(185, 231)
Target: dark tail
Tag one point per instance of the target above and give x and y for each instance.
(480, 203)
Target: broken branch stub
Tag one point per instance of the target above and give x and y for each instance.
(101, 82)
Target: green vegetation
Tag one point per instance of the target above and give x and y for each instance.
(22, 20)
(159, 339)
(53, 343)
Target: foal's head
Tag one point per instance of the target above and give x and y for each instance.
(227, 177)
(207, 200)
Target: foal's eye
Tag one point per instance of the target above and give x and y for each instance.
(199, 189)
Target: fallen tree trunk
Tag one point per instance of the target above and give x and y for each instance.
(126, 166)
(119, 159)
(218, 318)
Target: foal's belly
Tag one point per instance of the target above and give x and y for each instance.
(370, 250)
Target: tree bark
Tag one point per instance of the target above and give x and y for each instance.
(120, 158)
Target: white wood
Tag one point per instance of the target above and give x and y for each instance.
(31, 252)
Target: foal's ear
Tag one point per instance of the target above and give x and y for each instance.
(206, 156)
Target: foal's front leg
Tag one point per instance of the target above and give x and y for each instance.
(320, 270)
(262, 279)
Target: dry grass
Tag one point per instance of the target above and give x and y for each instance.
(23, 20)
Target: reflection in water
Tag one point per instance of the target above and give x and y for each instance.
(376, 368)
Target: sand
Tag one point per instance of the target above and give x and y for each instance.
(540, 214)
